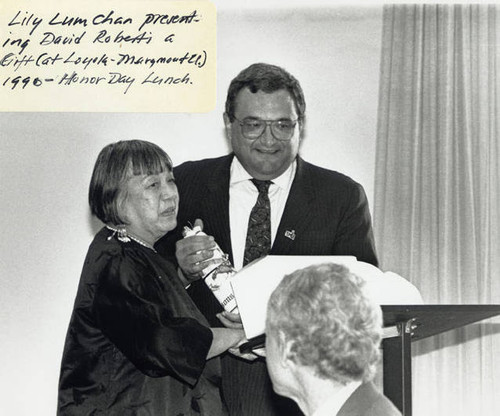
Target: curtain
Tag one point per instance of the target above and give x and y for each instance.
(437, 189)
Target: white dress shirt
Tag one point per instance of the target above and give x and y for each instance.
(334, 403)
(243, 196)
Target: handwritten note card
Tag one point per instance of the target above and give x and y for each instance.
(113, 56)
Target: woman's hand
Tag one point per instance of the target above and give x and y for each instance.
(260, 352)
(249, 356)
(233, 321)
(230, 320)
(228, 339)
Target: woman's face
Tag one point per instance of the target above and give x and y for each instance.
(150, 205)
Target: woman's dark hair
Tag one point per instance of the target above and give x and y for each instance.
(115, 163)
(267, 78)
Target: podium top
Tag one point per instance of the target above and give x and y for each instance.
(429, 320)
(434, 319)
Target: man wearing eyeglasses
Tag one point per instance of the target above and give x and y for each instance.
(308, 211)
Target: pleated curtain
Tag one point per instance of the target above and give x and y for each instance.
(437, 189)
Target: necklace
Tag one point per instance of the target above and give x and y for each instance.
(125, 237)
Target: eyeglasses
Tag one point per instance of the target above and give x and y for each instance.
(252, 128)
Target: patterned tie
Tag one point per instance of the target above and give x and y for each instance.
(258, 242)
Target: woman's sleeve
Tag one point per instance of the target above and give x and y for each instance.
(148, 323)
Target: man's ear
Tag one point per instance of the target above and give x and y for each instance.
(285, 351)
(302, 128)
(229, 127)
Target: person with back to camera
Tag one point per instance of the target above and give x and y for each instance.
(310, 211)
(323, 337)
(136, 343)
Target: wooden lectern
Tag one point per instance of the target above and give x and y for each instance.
(410, 323)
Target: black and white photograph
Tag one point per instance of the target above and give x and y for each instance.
(259, 208)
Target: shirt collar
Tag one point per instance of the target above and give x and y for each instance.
(239, 174)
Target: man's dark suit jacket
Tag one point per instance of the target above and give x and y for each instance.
(326, 213)
(368, 401)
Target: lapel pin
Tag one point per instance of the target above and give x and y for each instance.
(290, 234)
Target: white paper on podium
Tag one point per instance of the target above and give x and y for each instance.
(253, 285)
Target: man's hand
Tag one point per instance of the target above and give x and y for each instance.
(194, 254)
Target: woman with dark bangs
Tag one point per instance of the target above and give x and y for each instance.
(136, 343)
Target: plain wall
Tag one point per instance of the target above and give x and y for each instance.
(46, 161)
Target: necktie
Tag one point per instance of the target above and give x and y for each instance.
(258, 242)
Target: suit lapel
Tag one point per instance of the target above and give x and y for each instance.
(298, 210)
(360, 401)
(217, 205)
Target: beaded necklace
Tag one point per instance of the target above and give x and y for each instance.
(125, 237)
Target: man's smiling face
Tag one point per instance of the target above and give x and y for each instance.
(266, 157)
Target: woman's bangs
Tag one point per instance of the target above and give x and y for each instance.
(150, 162)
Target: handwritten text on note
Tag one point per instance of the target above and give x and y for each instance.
(116, 56)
